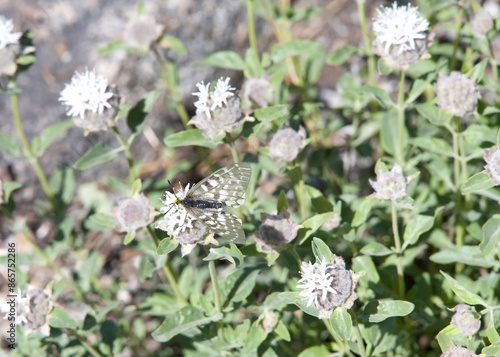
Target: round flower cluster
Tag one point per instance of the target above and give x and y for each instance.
(466, 319)
(458, 351)
(91, 101)
(179, 223)
(9, 46)
(328, 285)
(492, 167)
(133, 213)
(401, 35)
(456, 93)
(217, 111)
(276, 231)
(286, 144)
(390, 185)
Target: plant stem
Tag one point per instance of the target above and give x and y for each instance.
(54, 266)
(343, 347)
(397, 244)
(84, 343)
(168, 272)
(401, 119)
(357, 333)
(215, 283)
(251, 27)
(27, 148)
(368, 42)
(458, 25)
(126, 148)
(234, 151)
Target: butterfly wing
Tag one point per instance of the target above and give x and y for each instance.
(225, 224)
(226, 185)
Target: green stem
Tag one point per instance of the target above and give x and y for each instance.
(168, 271)
(84, 343)
(397, 244)
(54, 266)
(343, 347)
(126, 148)
(27, 148)
(357, 333)
(215, 282)
(234, 151)
(167, 71)
(368, 42)
(458, 25)
(251, 27)
(401, 119)
(493, 62)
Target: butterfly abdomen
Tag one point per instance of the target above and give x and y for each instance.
(202, 204)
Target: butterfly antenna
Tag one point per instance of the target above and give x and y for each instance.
(173, 189)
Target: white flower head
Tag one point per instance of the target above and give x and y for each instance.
(456, 93)
(90, 100)
(286, 144)
(401, 35)
(399, 26)
(390, 185)
(180, 224)
(7, 37)
(221, 93)
(466, 319)
(209, 100)
(458, 351)
(328, 285)
(492, 167)
(133, 213)
(33, 307)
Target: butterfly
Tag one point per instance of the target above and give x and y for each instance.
(205, 200)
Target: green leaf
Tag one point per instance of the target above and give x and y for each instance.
(172, 42)
(136, 186)
(238, 285)
(8, 188)
(444, 342)
(463, 293)
(137, 115)
(466, 254)
(476, 134)
(97, 155)
(188, 318)
(166, 246)
(113, 46)
(363, 211)
(379, 310)
(490, 110)
(25, 60)
(477, 73)
(59, 318)
(342, 323)
(225, 253)
(312, 224)
(254, 338)
(9, 145)
(188, 138)
(100, 222)
(282, 202)
(272, 113)
(315, 351)
(376, 249)
(389, 131)
(341, 55)
(281, 51)
(478, 182)
(321, 250)
(492, 350)
(379, 94)
(282, 331)
(252, 64)
(491, 234)
(416, 226)
(51, 134)
(225, 59)
(129, 237)
(436, 145)
(278, 300)
(432, 113)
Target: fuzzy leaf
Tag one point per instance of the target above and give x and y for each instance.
(463, 293)
(311, 225)
(416, 226)
(97, 155)
(59, 318)
(478, 182)
(272, 113)
(379, 310)
(225, 59)
(342, 323)
(189, 138)
(166, 246)
(341, 55)
(225, 253)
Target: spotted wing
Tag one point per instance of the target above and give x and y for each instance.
(227, 185)
(225, 224)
